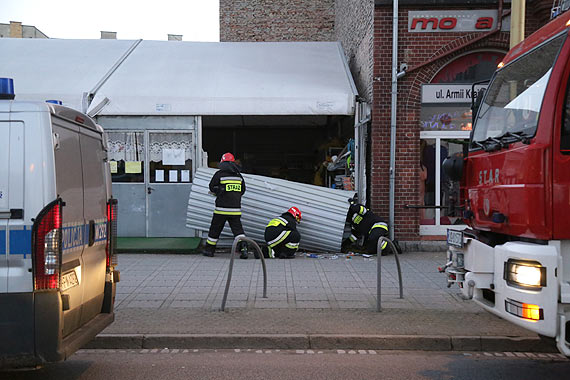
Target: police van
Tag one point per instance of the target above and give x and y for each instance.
(57, 231)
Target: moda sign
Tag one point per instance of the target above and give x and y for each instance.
(452, 21)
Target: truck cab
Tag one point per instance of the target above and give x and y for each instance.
(57, 231)
(514, 260)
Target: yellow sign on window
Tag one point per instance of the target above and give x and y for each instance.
(133, 167)
(113, 166)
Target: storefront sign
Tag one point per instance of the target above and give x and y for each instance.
(452, 21)
(449, 93)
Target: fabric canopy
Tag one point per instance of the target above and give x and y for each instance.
(183, 78)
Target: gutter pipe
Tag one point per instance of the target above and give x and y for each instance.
(393, 116)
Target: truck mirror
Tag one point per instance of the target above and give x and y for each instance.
(476, 103)
(453, 166)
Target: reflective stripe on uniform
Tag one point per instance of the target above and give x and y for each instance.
(379, 224)
(227, 211)
(292, 245)
(282, 236)
(230, 181)
(270, 253)
(362, 210)
(237, 179)
(212, 241)
(356, 218)
(384, 244)
(352, 238)
(276, 222)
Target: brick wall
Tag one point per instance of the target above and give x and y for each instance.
(414, 49)
(354, 28)
(277, 20)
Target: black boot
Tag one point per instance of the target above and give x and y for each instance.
(208, 250)
(242, 246)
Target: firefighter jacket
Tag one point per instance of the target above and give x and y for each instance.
(228, 185)
(279, 229)
(363, 221)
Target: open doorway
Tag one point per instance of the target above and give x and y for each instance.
(295, 148)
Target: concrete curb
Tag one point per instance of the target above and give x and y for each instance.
(325, 341)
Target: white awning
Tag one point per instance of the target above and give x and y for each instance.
(56, 69)
(184, 78)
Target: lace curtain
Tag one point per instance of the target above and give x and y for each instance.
(127, 146)
(160, 141)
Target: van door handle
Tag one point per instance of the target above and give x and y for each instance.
(91, 232)
(150, 189)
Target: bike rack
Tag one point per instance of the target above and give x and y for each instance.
(232, 254)
(379, 271)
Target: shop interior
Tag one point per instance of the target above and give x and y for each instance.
(296, 148)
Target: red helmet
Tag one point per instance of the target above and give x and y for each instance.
(296, 213)
(228, 157)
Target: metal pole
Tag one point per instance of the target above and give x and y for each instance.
(393, 117)
(379, 271)
(230, 269)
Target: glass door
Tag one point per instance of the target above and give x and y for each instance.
(438, 193)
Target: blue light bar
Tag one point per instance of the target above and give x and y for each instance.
(7, 88)
(53, 101)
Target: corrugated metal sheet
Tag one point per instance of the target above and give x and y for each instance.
(324, 210)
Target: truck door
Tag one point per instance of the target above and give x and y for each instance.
(69, 187)
(561, 175)
(95, 212)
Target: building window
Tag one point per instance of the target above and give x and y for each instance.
(126, 155)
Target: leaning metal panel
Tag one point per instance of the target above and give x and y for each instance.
(324, 210)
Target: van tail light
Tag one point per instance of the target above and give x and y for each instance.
(111, 248)
(46, 246)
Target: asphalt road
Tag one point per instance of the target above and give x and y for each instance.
(298, 364)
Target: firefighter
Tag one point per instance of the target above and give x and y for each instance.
(228, 185)
(364, 223)
(282, 236)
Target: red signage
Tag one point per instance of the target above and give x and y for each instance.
(451, 21)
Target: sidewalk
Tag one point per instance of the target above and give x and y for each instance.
(174, 301)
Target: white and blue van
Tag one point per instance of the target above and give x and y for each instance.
(57, 231)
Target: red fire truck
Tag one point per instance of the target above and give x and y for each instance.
(514, 259)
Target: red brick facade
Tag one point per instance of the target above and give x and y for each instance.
(415, 49)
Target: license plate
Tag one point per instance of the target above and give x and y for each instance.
(455, 238)
(69, 280)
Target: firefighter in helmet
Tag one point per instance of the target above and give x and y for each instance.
(365, 224)
(228, 185)
(282, 236)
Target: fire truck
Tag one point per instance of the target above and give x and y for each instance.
(514, 257)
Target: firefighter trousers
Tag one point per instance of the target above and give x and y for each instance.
(371, 243)
(217, 225)
(283, 242)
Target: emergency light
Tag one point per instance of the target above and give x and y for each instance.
(53, 101)
(7, 89)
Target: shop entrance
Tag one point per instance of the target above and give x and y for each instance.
(152, 173)
(445, 126)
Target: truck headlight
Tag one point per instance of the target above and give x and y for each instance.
(525, 274)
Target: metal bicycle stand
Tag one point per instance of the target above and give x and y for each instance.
(232, 255)
(379, 271)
